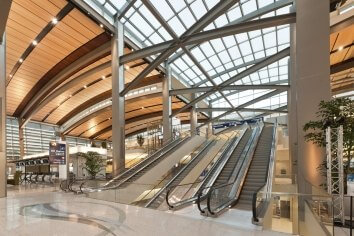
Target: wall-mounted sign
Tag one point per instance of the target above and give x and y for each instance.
(57, 153)
(350, 184)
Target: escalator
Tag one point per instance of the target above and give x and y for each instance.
(257, 172)
(251, 176)
(140, 168)
(226, 162)
(160, 196)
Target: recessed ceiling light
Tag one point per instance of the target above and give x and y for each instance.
(34, 42)
(11, 76)
(126, 67)
(101, 25)
(55, 21)
(340, 48)
(85, 86)
(21, 60)
(103, 77)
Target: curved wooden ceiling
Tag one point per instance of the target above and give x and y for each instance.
(63, 63)
(342, 60)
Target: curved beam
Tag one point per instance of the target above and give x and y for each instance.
(103, 96)
(63, 74)
(62, 66)
(62, 89)
(98, 112)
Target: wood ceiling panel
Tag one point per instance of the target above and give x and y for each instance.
(96, 128)
(92, 122)
(27, 20)
(50, 5)
(78, 99)
(54, 103)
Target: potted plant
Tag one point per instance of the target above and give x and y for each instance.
(140, 140)
(93, 163)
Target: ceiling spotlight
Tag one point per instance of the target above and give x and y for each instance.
(55, 21)
(340, 48)
(21, 60)
(103, 77)
(101, 25)
(85, 86)
(126, 67)
(70, 96)
(34, 42)
(142, 107)
(11, 76)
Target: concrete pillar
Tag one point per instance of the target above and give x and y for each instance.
(3, 117)
(210, 125)
(310, 84)
(167, 105)
(118, 114)
(21, 141)
(193, 116)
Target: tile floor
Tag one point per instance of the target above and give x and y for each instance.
(47, 211)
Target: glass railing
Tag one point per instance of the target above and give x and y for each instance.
(179, 196)
(221, 197)
(300, 214)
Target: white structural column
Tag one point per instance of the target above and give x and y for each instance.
(3, 117)
(193, 116)
(21, 141)
(210, 125)
(167, 105)
(118, 102)
(310, 83)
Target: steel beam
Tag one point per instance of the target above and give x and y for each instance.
(3, 181)
(265, 84)
(69, 70)
(250, 70)
(220, 109)
(167, 105)
(62, 89)
(207, 35)
(126, 8)
(215, 12)
(341, 66)
(118, 101)
(261, 11)
(229, 87)
(193, 117)
(260, 98)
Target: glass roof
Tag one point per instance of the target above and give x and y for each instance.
(221, 58)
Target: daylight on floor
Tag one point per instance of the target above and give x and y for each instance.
(176, 117)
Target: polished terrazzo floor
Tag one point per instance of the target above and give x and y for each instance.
(47, 211)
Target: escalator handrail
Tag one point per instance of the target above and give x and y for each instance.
(238, 181)
(224, 158)
(209, 142)
(268, 179)
(105, 188)
(211, 163)
(170, 142)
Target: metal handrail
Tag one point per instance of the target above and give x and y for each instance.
(213, 165)
(169, 142)
(105, 187)
(207, 145)
(239, 173)
(268, 179)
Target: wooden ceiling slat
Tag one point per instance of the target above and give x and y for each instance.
(85, 21)
(50, 5)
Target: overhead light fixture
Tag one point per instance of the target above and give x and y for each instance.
(70, 96)
(21, 60)
(126, 67)
(55, 21)
(34, 42)
(340, 48)
(101, 25)
(85, 86)
(11, 76)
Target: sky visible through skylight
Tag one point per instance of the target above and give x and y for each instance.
(232, 54)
